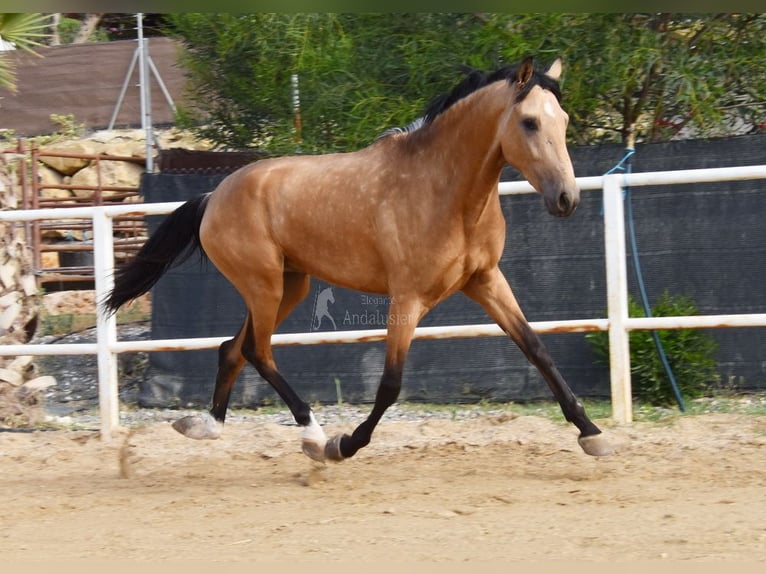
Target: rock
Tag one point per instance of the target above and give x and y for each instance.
(66, 165)
(69, 302)
(40, 383)
(113, 174)
(49, 259)
(175, 138)
(8, 316)
(48, 176)
(20, 363)
(9, 299)
(133, 199)
(28, 285)
(8, 272)
(136, 149)
(11, 376)
(117, 136)
(64, 195)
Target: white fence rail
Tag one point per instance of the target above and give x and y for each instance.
(617, 322)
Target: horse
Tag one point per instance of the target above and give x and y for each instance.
(414, 216)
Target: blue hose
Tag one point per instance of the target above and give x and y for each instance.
(625, 165)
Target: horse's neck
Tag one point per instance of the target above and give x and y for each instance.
(466, 143)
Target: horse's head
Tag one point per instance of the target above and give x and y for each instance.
(533, 139)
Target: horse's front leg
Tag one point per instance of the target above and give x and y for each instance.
(403, 317)
(491, 290)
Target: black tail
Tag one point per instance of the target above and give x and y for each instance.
(173, 242)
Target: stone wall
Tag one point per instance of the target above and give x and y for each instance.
(127, 144)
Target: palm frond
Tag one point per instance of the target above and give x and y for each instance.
(7, 74)
(25, 31)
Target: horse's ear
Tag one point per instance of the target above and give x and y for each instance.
(554, 72)
(525, 71)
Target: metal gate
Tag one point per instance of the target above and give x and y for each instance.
(62, 249)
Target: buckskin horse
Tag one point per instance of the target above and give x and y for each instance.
(415, 216)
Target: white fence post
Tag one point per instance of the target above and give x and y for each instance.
(103, 267)
(617, 299)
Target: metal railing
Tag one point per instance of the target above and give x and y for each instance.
(76, 242)
(617, 323)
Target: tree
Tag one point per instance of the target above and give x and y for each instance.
(78, 28)
(627, 76)
(22, 31)
(649, 76)
(87, 27)
(358, 74)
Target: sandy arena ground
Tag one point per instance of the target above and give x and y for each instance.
(496, 487)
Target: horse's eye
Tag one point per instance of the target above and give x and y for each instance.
(530, 124)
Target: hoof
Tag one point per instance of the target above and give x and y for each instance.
(199, 427)
(314, 440)
(332, 449)
(314, 449)
(595, 445)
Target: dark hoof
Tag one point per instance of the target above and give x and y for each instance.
(595, 445)
(332, 449)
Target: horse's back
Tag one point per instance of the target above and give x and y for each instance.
(315, 214)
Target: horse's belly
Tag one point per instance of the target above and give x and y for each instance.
(343, 271)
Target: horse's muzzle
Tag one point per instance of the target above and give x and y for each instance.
(568, 202)
(564, 204)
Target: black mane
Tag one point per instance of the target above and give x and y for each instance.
(474, 81)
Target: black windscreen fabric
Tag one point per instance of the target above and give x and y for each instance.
(702, 240)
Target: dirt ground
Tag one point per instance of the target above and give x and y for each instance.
(496, 487)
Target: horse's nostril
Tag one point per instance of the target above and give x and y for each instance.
(564, 203)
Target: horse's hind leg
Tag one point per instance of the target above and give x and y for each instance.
(295, 287)
(491, 290)
(231, 359)
(256, 348)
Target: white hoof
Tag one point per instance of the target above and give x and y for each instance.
(313, 441)
(199, 427)
(595, 445)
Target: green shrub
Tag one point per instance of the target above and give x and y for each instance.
(690, 353)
